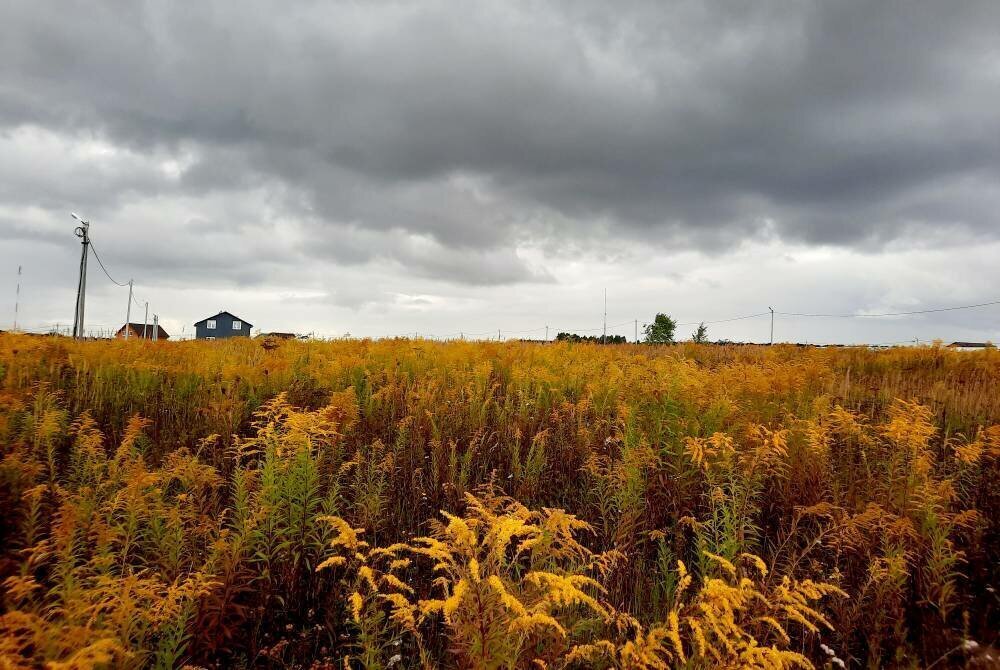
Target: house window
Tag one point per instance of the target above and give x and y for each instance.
(211, 324)
(237, 325)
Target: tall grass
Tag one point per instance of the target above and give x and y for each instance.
(484, 505)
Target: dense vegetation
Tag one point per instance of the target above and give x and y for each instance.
(592, 339)
(484, 505)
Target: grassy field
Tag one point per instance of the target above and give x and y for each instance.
(482, 505)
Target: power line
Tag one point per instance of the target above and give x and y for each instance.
(735, 318)
(132, 298)
(529, 330)
(756, 315)
(83, 232)
(917, 311)
(579, 330)
(99, 262)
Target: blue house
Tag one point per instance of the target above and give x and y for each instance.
(221, 326)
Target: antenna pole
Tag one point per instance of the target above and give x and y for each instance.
(546, 333)
(17, 297)
(145, 320)
(637, 331)
(156, 327)
(604, 334)
(772, 324)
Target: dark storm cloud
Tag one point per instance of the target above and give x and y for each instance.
(442, 136)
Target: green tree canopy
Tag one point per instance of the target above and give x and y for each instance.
(700, 335)
(661, 330)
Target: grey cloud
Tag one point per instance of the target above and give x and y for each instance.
(422, 256)
(477, 129)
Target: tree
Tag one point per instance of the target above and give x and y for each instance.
(595, 339)
(700, 335)
(661, 331)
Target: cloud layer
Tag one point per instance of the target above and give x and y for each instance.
(443, 148)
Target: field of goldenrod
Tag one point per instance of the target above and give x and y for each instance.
(412, 504)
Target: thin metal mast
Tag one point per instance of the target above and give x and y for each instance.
(128, 310)
(17, 297)
(604, 335)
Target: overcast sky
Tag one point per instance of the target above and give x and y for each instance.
(442, 167)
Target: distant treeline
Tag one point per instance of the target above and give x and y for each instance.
(598, 339)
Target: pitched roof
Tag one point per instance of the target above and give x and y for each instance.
(137, 327)
(980, 345)
(236, 318)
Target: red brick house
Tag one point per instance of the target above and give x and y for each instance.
(135, 330)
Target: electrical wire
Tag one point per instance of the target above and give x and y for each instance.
(735, 318)
(529, 330)
(113, 280)
(869, 316)
(578, 330)
(489, 333)
(625, 323)
(99, 262)
(765, 314)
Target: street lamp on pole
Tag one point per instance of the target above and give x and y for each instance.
(83, 232)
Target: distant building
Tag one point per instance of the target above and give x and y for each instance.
(971, 345)
(221, 326)
(153, 332)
